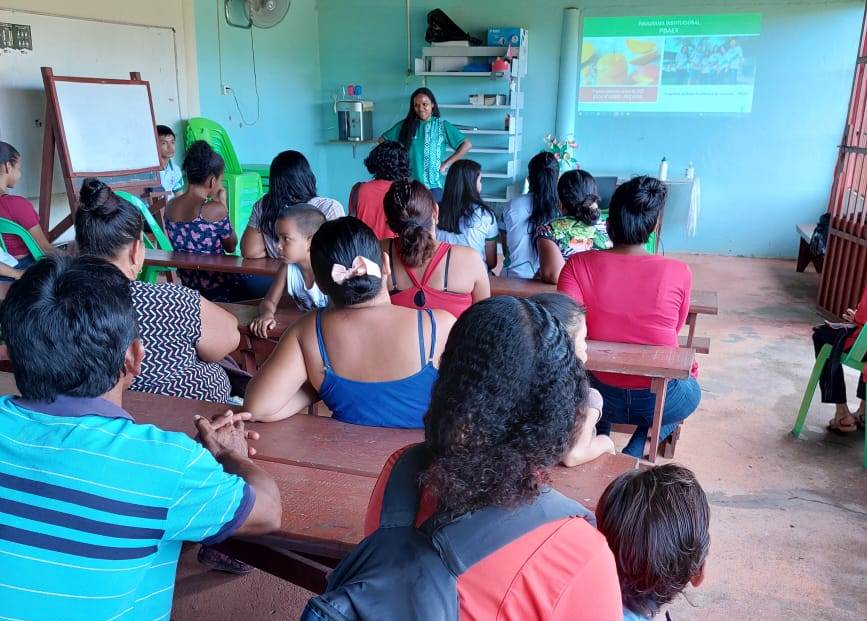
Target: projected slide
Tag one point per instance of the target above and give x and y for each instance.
(669, 63)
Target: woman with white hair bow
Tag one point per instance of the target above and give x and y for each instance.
(371, 362)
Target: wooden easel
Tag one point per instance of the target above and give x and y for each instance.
(54, 139)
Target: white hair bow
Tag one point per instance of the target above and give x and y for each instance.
(361, 266)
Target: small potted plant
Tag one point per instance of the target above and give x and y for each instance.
(562, 150)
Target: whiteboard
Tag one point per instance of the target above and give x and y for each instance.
(108, 127)
(78, 47)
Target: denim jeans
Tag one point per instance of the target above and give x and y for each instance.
(634, 406)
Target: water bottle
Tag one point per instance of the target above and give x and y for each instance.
(690, 171)
(663, 170)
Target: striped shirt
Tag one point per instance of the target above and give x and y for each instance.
(94, 508)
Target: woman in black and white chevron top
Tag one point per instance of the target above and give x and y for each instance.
(184, 335)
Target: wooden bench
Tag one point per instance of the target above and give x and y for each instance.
(326, 471)
(805, 254)
(660, 364)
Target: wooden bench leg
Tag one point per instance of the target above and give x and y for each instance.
(670, 442)
(804, 255)
(691, 320)
(658, 386)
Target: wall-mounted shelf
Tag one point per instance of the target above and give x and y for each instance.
(473, 51)
(505, 143)
(354, 143)
(461, 74)
(476, 107)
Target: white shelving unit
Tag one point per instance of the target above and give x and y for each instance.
(504, 142)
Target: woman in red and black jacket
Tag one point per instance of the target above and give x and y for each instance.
(505, 409)
(831, 383)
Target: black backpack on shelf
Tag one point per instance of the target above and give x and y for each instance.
(440, 27)
(408, 573)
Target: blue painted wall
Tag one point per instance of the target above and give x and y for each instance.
(287, 64)
(761, 173)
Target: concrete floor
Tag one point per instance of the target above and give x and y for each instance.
(789, 516)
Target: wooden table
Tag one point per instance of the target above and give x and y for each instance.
(211, 262)
(326, 471)
(660, 364)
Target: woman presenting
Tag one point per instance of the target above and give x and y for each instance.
(425, 136)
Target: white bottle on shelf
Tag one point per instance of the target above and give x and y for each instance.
(663, 170)
(690, 171)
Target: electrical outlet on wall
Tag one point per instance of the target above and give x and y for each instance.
(226, 89)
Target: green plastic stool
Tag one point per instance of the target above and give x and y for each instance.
(244, 184)
(150, 274)
(8, 227)
(854, 359)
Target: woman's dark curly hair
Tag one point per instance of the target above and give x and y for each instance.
(505, 408)
(388, 161)
(577, 192)
(409, 208)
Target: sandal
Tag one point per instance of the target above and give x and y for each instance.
(835, 425)
(214, 559)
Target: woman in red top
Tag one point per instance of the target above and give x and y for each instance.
(634, 297)
(507, 405)
(387, 163)
(17, 208)
(426, 273)
(831, 383)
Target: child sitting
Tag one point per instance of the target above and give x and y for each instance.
(295, 227)
(170, 175)
(198, 221)
(588, 446)
(656, 523)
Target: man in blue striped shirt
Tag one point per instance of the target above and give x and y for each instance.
(94, 507)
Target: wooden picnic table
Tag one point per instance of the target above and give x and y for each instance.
(326, 470)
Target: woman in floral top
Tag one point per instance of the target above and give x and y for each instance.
(579, 229)
(198, 221)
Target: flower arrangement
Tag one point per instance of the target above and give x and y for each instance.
(562, 150)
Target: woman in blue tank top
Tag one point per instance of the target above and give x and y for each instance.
(371, 363)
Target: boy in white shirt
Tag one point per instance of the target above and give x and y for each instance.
(295, 227)
(171, 177)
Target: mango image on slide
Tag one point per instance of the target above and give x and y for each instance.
(620, 62)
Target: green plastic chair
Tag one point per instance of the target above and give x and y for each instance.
(245, 184)
(8, 227)
(148, 273)
(853, 359)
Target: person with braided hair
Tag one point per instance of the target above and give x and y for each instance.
(508, 403)
(425, 272)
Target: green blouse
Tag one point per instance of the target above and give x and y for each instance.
(573, 236)
(427, 150)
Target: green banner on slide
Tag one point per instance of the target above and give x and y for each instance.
(674, 25)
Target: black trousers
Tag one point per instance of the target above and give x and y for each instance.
(831, 383)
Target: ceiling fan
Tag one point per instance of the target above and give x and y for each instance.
(259, 13)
